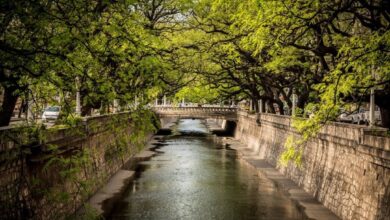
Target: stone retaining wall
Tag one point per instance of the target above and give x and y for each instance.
(82, 159)
(347, 167)
(167, 122)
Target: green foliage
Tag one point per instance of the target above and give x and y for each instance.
(329, 53)
(142, 124)
(292, 152)
(324, 51)
(71, 120)
(107, 50)
(197, 94)
(72, 169)
(89, 213)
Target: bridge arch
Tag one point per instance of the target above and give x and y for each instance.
(169, 115)
(226, 113)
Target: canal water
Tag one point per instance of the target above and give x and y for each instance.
(193, 178)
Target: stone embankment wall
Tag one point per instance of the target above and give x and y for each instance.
(347, 167)
(167, 122)
(50, 174)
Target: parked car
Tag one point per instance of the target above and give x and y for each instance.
(377, 116)
(359, 117)
(51, 113)
(344, 117)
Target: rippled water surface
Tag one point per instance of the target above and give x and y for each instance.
(192, 178)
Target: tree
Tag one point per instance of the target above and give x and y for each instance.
(98, 47)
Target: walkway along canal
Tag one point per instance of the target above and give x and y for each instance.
(191, 177)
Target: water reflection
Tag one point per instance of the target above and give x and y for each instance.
(192, 179)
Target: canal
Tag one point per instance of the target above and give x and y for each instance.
(193, 178)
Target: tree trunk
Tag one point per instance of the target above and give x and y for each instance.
(21, 109)
(262, 106)
(271, 108)
(86, 110)
(255, 104)
(302, 99)
(385, 116)
(8, 106)
(280, 107)
(382, 99)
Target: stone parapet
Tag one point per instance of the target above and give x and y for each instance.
(49, 175)
(346, 167)
(226, 113)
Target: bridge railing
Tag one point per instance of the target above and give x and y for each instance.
(166, 109)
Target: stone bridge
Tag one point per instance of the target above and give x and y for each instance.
(226, 113)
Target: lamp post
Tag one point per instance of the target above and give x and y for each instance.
(372, 102)
(115, 104)
(372, 107)
(136, 101)
(78, 102)
(30, 114)
(261, 105)
(293, 103)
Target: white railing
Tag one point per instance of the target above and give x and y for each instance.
(162, 109)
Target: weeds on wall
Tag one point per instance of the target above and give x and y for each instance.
(308, 124)
(52, 180)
